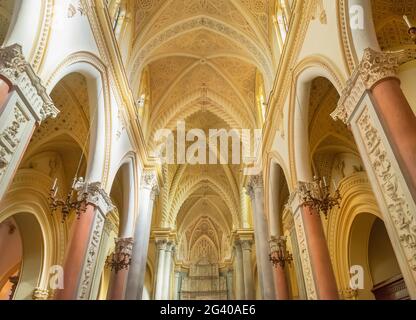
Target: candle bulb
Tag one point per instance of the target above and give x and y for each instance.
(54, 183)
(325, 182)
(56, 192)
(74, 183)
(406, 19)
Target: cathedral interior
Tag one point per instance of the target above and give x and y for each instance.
(314, 200)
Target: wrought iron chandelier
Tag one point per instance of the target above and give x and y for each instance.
(72, 202)
(412, 28)
(279, 255)
(318, 196)
(121, 257)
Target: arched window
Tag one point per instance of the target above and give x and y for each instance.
(116, 19)
(281, 20)
(261, 99)
(116, 11)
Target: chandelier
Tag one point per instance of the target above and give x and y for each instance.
(121, 257)
(279, 255)
(317, 196)
(72, 202)
(412, 28)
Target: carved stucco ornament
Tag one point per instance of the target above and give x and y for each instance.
(374, 67)
(19, 73)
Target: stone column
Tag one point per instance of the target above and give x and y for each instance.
(248, 269)
(27, 104)
(281, 285)
(148, 191)
(161, 249)
(167, 270)
(83, 246)
(239, 272)
(177, 285)
(316, 263)
(261, 232)
(384, 128)
(122, 255)
(4, 92)
(229, 279)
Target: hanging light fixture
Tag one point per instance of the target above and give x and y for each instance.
(412, 28)
(279, 255)
(121, 257)
(317, 195)
(76, 199)
(72, 202)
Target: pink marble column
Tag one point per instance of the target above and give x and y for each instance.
(4, 93)
(399, 122)
(122, 254)
(319, 254)
(76, 252)
(280, 283)
(277, 252)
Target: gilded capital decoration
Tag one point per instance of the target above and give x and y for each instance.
(246, 244)
(374, 67)
(16, 70)
(93, 194)
(161, 244)
(149, 181)
(40, 294)
(255, 184)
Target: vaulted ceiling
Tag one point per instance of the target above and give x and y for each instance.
(390, 27)
(202, 57)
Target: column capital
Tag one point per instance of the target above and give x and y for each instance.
(170, 246)
(94, 195)
(161, 244)
(297, 197)
(246, 244)
(374, 67)
(17, 71)
(149, 181)
(255, 183)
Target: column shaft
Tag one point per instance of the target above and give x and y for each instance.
(4, 93)
(281, 285)
(319, 255)
(161, 247)
(399, 122)
(261, 233)
(75, 255)
(137, 270)
(118, 282)
(239, 273)
(167, 272)
(248, 271)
